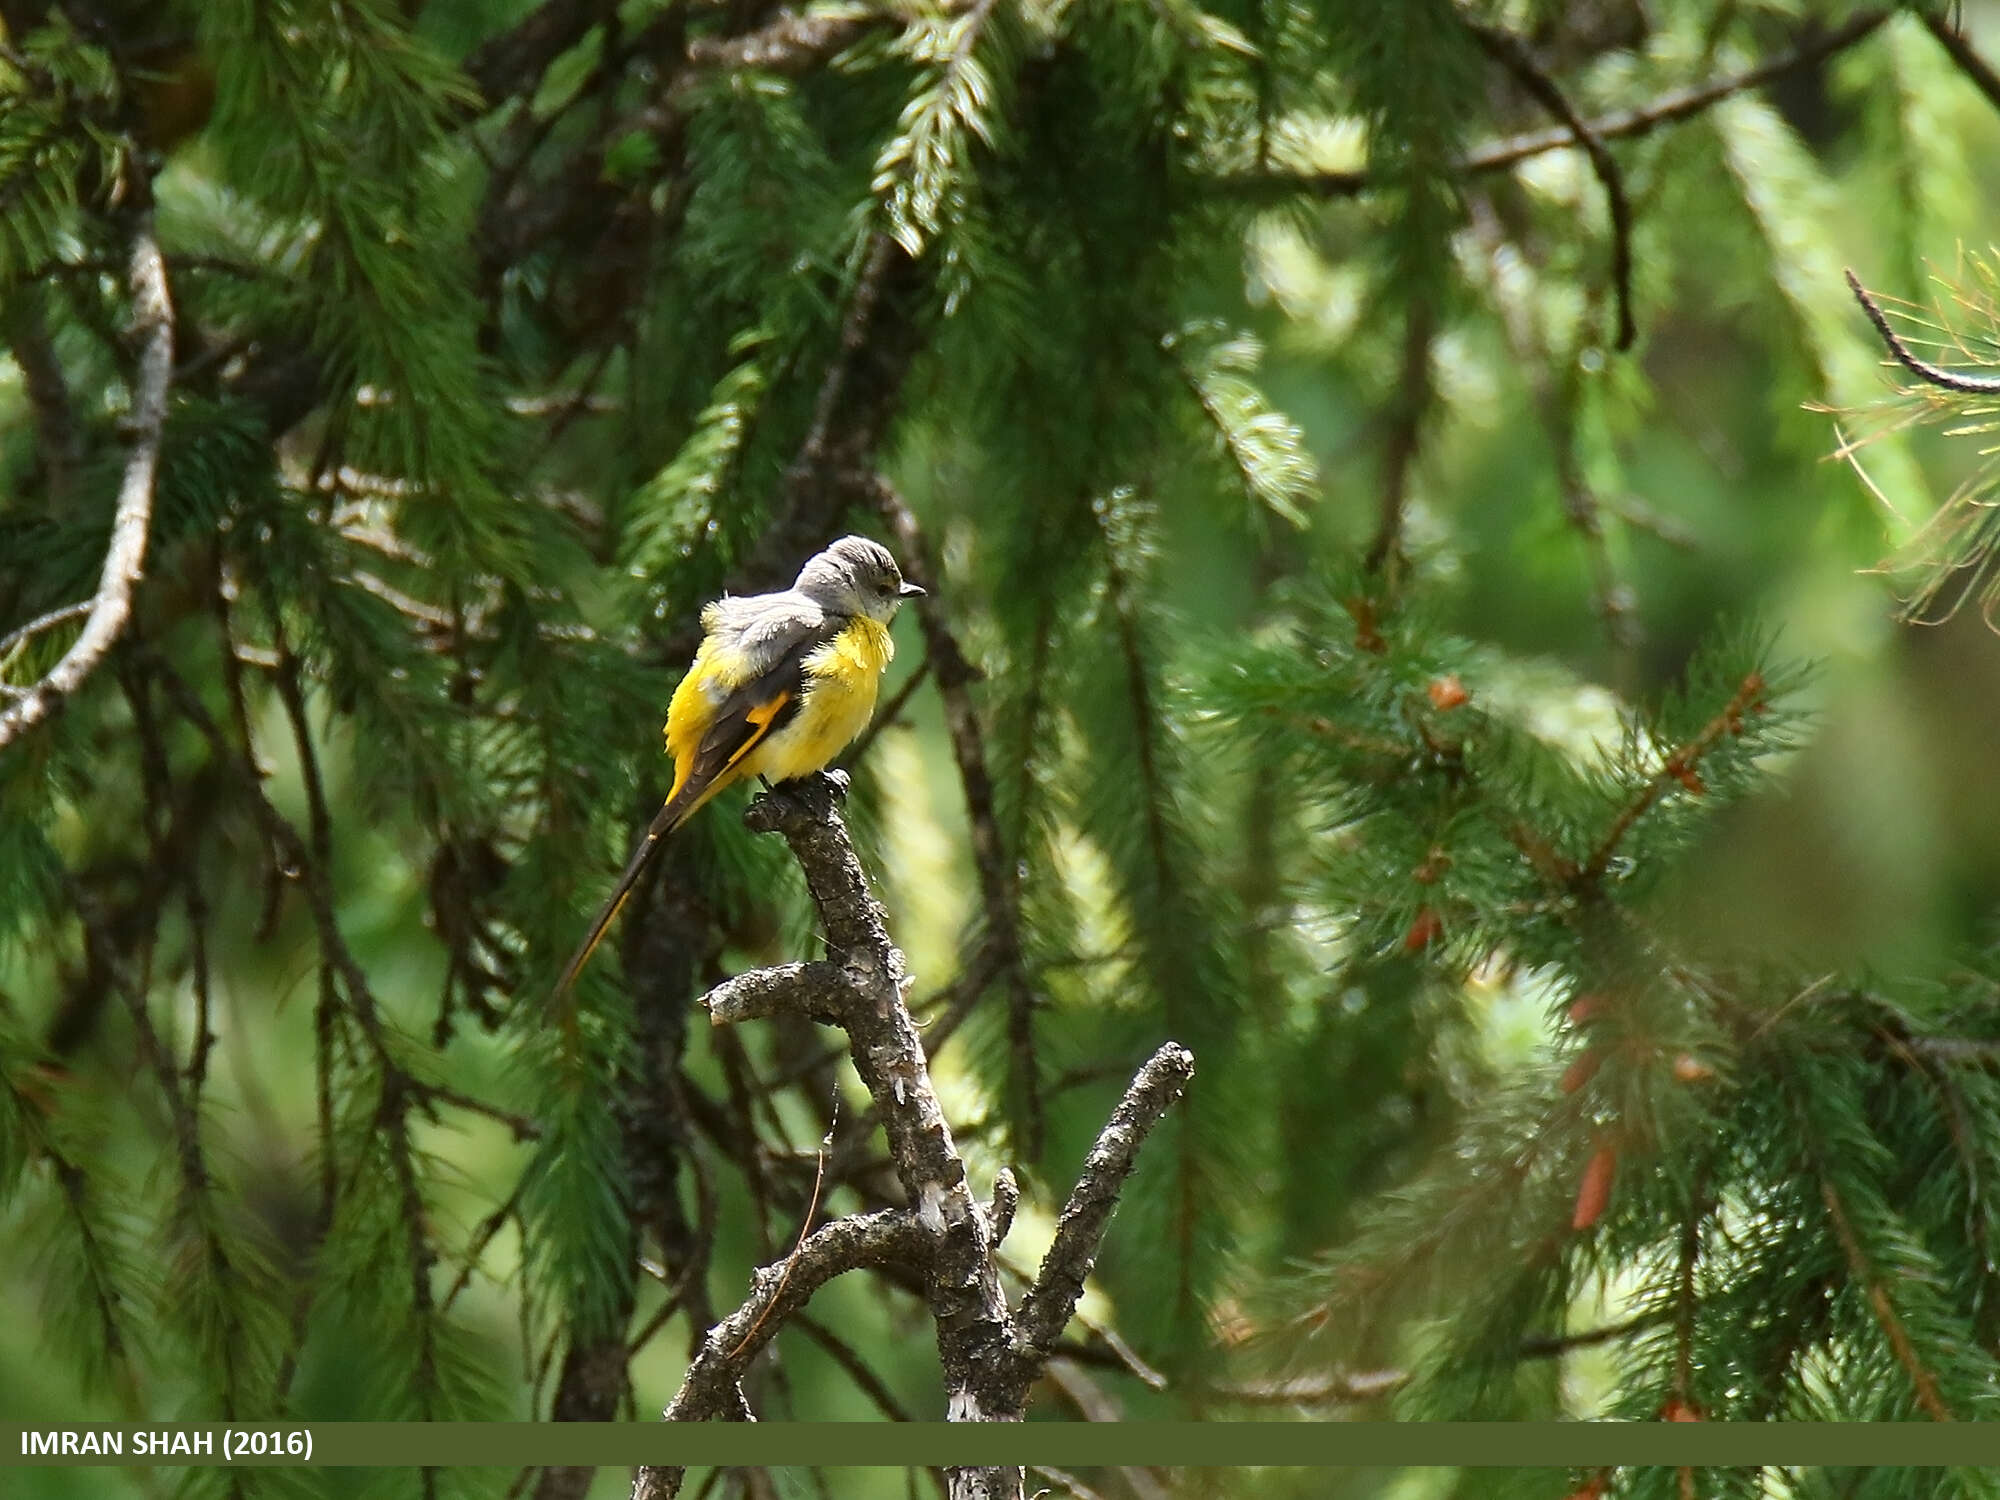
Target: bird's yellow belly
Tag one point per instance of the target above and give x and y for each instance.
(842, 678)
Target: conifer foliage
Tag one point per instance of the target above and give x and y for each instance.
(1299, 412)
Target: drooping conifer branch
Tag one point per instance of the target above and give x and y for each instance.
(1513, 55)
(1557, 387)
(124, 559)
(1668, 109)
(990, 1354)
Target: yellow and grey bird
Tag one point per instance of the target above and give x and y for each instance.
(782, 683)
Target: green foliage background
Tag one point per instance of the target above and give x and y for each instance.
(1489, 749)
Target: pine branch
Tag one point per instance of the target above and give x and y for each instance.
(111, 609)
(214, 1289)
(1678, 769)
(1556, 404)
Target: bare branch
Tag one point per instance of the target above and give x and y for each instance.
(963, 1286)
(49, 621)
(1922, 1379)
(124, 559)
(819, 990)
(943, 1239)
(1045, 1310)
(710, 1387)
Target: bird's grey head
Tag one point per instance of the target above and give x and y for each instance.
(856, 577)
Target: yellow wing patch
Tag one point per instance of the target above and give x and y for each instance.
(760, 719)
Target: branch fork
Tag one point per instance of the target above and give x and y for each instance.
(991, 1353)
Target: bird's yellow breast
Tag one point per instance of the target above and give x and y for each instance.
(841, 682)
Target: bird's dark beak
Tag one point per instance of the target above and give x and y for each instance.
(909, 590)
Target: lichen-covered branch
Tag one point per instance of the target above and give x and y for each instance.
(989, 1353)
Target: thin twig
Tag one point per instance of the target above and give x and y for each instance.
(1067, 1482)
(1046, 1307)
(1975, 385)
(1556, 404)
(805, 1227)
(124, 559)
(1978, 72)
(40, 623)
(481, 1238)
(859, 1371)
(1668, 109)
(1513, 55)
(1552, 1345)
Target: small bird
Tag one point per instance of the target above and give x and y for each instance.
(781, 685)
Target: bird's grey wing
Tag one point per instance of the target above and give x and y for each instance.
(760, 630)
(757, 707)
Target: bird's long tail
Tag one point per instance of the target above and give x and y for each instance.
(665, 821)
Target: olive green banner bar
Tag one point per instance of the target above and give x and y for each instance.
(1061, 1444)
